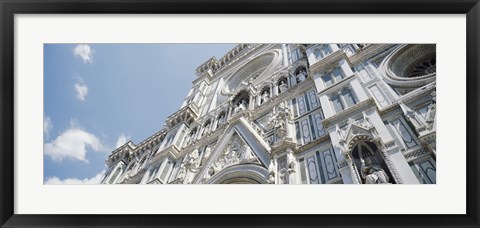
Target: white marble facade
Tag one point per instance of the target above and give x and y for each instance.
(297, 114)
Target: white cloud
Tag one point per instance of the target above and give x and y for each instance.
(47, 126)
(122, 139)
(85, 52)
(72, 144)
(82, 90)
(94, 180)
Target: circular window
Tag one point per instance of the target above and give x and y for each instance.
(425, 67)
(410, 65)
(256, 69)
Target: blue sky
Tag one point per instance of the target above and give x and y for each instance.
(97, 96)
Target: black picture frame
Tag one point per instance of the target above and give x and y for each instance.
(8, 8)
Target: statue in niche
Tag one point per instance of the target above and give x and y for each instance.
(242, 105)
(373, 174)
(283, 86)
(265, 96)
(280, 130)
(278, 120)
(221, 120)
(271, 172)
(301, 76)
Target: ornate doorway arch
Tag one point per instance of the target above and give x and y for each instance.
(241, 174)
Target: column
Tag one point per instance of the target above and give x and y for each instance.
(285, 55)
(229, 114)
(215, 123)
(275, 89)
(355, 176)
(251, 102)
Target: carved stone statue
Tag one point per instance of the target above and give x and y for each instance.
(340, 132)
(373, 174)
(301, 76)
(280, 130)
(283, 86)
(291, 161)
(242, 105)
(221, 120)
(247, 153)
(366, 120)
(271, 172)
(232, 154)
(265, 96)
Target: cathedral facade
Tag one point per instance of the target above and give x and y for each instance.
(297, 114)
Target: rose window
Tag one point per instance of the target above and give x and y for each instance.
(428, 66)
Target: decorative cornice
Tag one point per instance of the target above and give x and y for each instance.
(329, 61)
(368, 52)
(398, 56)
(353, 110)
(186, 115)
(338, 86)
(414, 154)
(281, 146)
(315, 143)
(413, 98)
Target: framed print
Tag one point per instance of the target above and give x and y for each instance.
(334, 111)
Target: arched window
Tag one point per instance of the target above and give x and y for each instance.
(343, 100)
(241, 101)
(322, 51)
(332, 77)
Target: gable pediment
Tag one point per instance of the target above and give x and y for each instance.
(356, 133)
(240, 144)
